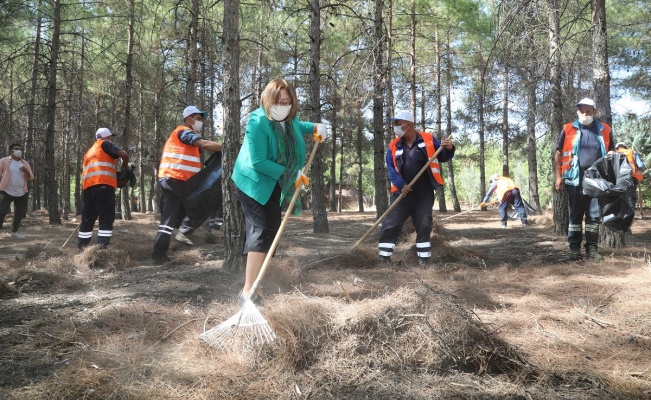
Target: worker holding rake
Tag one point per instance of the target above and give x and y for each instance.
(267, 171)
(407, 154)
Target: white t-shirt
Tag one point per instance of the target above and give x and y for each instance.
(16, 185)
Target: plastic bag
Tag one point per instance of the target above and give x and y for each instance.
(609, 180)
(127, 177)
(203, 194)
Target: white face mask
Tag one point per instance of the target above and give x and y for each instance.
(17, 153)
(398, 130)
(585, 119)
(279, 113)
(197, 126)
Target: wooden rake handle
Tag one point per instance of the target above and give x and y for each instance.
(70, 237)
(402, 196)
(290, 208)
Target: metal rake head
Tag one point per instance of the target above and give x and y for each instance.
(247, 327)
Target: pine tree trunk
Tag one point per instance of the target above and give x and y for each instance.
(31, 106)
(448, 111)
(560, 202)
(482, 135)
(532, 83)
(233, 216)
(360, 160)
(601, 79)
(317, 169)
(50, 184)
(505, 124)
(379, 169)
(126, 132)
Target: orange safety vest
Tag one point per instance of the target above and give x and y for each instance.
(630, 157)
(569, 152)
(504, 185)
(179, 160)
(99, 167)
(434, 166)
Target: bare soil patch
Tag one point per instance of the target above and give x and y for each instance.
(498, 314)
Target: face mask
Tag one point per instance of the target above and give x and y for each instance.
(197, 126)
(398, 130)
(279, 113)
(585, 119)
(18, 153)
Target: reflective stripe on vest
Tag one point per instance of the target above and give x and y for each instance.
(428, 143)
(630, 157)
(99, 167)
(179, 160)
(571, 144)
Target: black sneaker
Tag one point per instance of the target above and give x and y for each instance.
(160, 260)
(575, 254)
(594, 255)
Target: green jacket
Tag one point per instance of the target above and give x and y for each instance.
(256, 171)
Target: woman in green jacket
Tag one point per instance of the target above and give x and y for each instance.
(269, 163)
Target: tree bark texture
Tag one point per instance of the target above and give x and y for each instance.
(601, 81)
(233, 216)
(379, 168)
(560, 202)
(317, 169)
(50, 184)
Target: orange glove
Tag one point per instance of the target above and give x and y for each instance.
(301, 178)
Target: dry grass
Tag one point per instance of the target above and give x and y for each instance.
(346, 326)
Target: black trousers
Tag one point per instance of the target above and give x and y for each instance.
(172, 214)
(582, 206)
(98, 202)
(20, 208)
(418, 206)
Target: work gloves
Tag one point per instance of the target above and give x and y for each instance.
(301, 178)
(322, 133)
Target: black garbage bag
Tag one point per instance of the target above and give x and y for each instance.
(127, 177)
(203, 195)
(609, 180)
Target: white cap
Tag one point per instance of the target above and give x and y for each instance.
(403, 116)
(494, 177)
(586, 102)
(621, 144)
(103, 133)
(189, 110)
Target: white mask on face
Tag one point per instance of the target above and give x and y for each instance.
(585, 119)
(398, 130)
(197, 126)
(279, 113)
(17, 153)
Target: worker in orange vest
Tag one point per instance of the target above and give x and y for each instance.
(581, 143)
(407, 154)
(180, 161)
(99, 178)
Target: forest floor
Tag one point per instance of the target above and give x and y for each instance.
(499, 313)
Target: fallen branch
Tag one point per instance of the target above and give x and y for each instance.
(590, 318)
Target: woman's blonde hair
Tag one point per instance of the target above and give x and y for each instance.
(271, 95)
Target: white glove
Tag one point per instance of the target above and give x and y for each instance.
(322, 133)
(301, 178)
